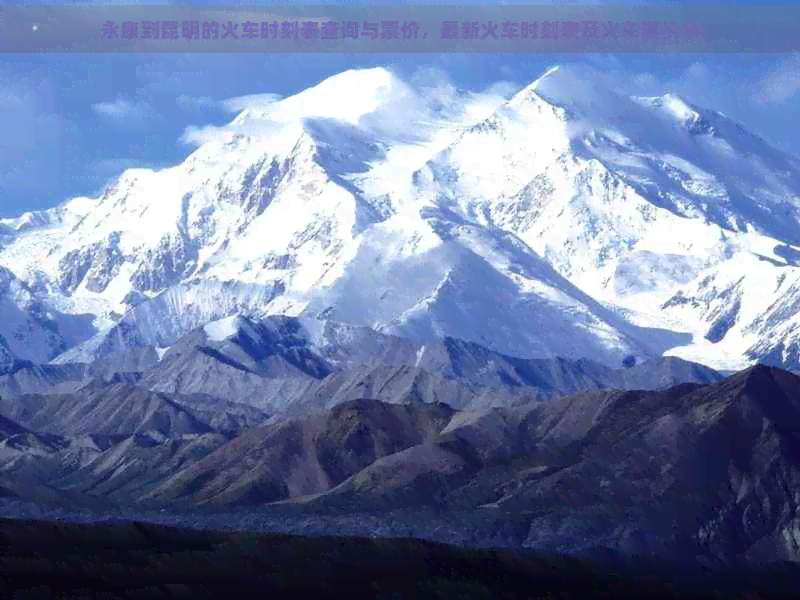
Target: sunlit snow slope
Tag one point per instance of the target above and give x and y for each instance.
(566, 220)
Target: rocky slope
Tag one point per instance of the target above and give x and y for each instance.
(707, 471)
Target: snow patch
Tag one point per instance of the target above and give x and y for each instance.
(223, 329)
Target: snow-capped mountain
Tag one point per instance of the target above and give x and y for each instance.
(567, 220)
(30, 331)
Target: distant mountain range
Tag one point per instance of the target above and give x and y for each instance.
(296, 366)
(253, 416)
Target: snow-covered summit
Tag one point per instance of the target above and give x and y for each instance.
(565, 220)
(348, 96)
(222, 329)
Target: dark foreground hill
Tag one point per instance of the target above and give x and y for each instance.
(706, 472)
(140, 560)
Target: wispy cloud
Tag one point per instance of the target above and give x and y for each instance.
(780, 84)
(198, 135)
(252, 101)
(122, 111)
(231, 105)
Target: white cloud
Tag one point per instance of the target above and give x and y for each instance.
(698, 72)
(198, 135)
(780, 84)
(123, 111)
(231, 105)
(252, 101)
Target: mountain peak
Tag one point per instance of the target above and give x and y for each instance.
(677, 100)
(760, 375)
(372, 78)
(676, 108)
(578, 89)
(223, 329)
(550, 72)
(346, 96)
(563, 73)
(773, 392)
(566, 82)
(586, 92)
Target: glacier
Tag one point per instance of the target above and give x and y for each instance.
(565, 220)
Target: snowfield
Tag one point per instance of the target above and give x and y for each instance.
(566, 220)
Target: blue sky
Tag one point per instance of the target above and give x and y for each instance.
(69, 123)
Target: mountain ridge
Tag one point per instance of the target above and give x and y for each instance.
(706, 472)
(410, 228)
